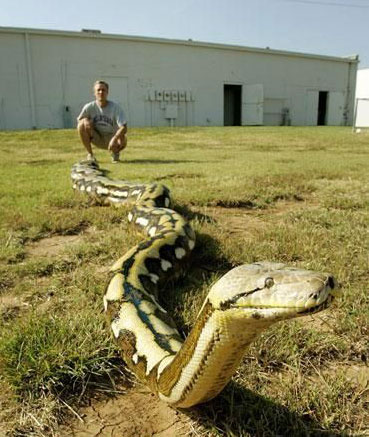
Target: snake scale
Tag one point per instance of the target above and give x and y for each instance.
(241, 305)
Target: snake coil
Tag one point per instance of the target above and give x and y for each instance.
(237, 309)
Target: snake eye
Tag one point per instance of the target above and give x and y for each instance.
(269, 282)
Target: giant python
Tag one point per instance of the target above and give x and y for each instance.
(241, 305)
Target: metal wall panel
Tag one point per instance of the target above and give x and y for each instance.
(336, 107)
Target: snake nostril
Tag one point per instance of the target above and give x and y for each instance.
(331, 282)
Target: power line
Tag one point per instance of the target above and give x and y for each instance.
(329, 3)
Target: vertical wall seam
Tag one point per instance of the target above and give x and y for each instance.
(29, 69)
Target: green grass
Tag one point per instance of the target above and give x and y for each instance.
(296, 195)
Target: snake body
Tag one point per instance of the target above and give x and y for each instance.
(238, 308)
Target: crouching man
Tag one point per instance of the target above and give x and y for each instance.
(103, 124)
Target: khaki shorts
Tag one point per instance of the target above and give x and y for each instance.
(101, 140)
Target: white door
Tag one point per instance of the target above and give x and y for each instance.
(252, 105)
(336, 107)
(312, 102)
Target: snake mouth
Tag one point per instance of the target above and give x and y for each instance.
(317, 308)
(282, 310)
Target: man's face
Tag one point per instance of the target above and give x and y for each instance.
(101, 93)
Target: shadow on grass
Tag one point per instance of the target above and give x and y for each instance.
(240, 412)
(37, 162)
(158, 161)
(192, 215)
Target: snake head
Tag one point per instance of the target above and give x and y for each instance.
(273, 291)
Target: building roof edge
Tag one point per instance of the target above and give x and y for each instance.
(93, 33)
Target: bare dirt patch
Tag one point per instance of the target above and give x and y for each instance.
(237, 220)
(56, 244)
(10, 306)
(324, 321)
(355, 374)
(248, 221)
(131, 414)
(52, 246)
(14, 304)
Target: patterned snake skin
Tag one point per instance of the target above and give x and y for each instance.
(242, 304)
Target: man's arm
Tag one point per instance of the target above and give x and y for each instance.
(119, 137)
(122, 130)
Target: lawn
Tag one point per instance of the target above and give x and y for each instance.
(295, 195)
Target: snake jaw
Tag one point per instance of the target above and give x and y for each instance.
(275, 314)
(315, 309)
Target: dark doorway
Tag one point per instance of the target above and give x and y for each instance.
(322, 108)
(232, 105)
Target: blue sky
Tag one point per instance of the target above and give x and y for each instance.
(329, 27)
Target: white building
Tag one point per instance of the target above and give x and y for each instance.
(362, 99)
(46, 77)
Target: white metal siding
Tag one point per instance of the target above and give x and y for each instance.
(56, 81)
(362, 86)
(362, 99)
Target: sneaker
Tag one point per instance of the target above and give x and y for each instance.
(91, 158)
(115, 157)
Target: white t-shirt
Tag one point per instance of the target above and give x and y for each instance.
(105, 120)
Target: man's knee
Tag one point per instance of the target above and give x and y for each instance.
(84, 125)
